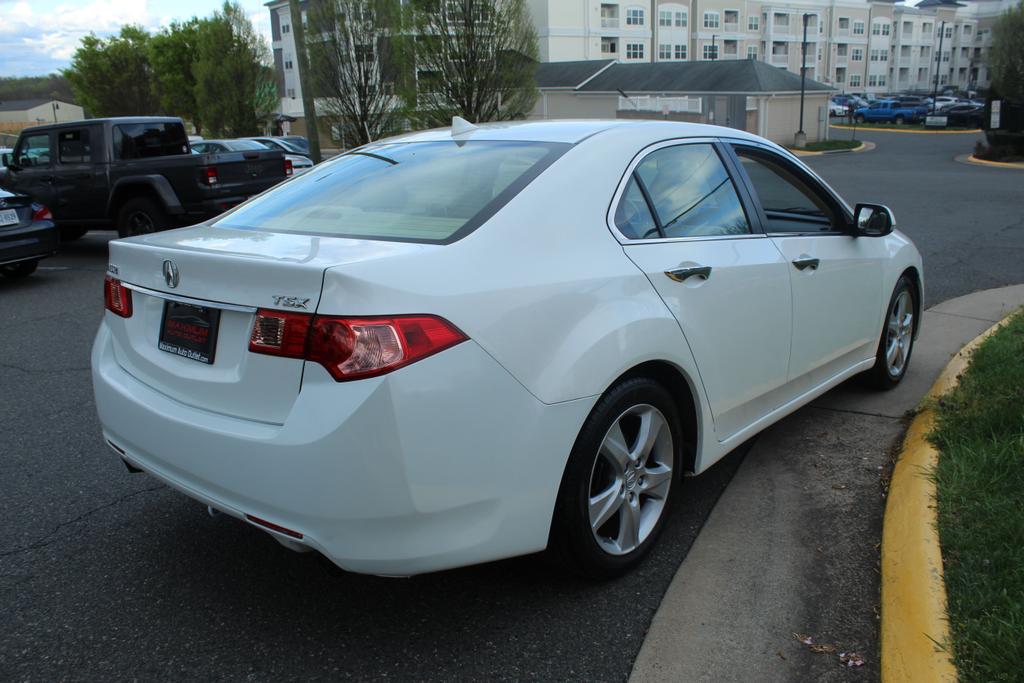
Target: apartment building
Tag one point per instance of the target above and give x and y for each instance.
(857, 45)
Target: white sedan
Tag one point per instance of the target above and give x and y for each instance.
(463, 345)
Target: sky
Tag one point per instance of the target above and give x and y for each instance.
(38, 37)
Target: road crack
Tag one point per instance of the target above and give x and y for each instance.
(49, 538)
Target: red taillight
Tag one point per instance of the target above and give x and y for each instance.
(273, 527)
(352, 348)
(279, 333)
(288, 168)
(210, 176)
(41, 213)
(117, 298)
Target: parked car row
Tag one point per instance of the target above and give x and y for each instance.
(140, 174)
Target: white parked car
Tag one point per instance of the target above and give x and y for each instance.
(836, 108)
(458, 346)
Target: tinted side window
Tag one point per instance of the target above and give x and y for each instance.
(73, 146)
(145, 140)
(34, 151)
(692, 192)
(633, 216)
(790, 204)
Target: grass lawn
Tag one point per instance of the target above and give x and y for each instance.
(829, 145)
(980, 479)
(892, 126)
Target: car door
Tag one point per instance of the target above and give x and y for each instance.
(32, 172)
(682, 220)
(836, 277)
(80, 178)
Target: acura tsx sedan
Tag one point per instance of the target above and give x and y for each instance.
(462, 345)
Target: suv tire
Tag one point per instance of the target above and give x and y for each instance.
(141, 216)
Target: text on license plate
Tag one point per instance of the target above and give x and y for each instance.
(8, 217)
(189, 331)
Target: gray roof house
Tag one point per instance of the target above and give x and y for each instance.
(746, 94)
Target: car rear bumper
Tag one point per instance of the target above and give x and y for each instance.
(34, 241)
(444, 463)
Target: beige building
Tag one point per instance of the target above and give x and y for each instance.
(856, 45)
(17, 114)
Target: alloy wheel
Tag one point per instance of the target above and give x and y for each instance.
(630, 479)
(140, 223)
(899, 333)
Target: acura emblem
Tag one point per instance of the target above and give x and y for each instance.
(170, 274)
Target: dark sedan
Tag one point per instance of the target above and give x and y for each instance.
(964, 116)
(27, 235)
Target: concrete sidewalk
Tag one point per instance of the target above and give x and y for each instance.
(791, 546)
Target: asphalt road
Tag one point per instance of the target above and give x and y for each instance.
(109, 575)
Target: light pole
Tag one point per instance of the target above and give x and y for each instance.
(938, 64)
(714, 48)
(800, 139)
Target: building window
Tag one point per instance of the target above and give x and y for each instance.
(908, 28)
(967, 30)
(664, 18)
(857, 54)
(781, 20)
(872, 81)
(286, 28)
(879, 29)
(609, 16)
(858, 30)
(754, 23)
(681, 19)
(710, 52)
(881, 80)
(664, 51)
(945, 56)
(609, 46)
(290, 92)
(854, 80)
(841, 50)
(680, 51)
(926, 28)
(287, 64)
(634, 16)
(634, 50)
(711, 20)
(844, 23)
(879, 55)
(949, 33)
(751, 52)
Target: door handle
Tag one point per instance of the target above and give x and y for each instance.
(681, 274)
(804, 262)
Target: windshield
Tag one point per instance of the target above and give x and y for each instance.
(415, 191)
(242, 145)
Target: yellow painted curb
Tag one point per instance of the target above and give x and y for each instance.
(843, 126)
(809, 153)
(915, 631)
(971, 159)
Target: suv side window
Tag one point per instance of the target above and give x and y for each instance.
(690, 193)
(34, 150)
(790, 204)
(73, 146)
(146, 140)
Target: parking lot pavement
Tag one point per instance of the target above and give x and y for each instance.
(108, 575)
(966, 220)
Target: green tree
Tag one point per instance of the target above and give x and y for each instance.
(234, 81)
(113, 77)
(172, 54)
(1007, 56)
(32, 87)
(473, 58)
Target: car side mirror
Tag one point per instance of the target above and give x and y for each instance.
(873, 220)
(8, 161)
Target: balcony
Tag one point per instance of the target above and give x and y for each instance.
(780, 60)
(609, 22)
(731, 27)
(842, 61)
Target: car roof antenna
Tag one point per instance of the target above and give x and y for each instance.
(461, 126)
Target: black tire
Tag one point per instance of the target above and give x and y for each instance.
(72, 234)
(883, 376)
(16, 271)
(859, 118)
(572, 543)
(900, 120)
(141, 216)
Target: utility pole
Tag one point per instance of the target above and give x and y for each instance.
(938, 63)
(714, 48)
(800, 140)
(302, 62)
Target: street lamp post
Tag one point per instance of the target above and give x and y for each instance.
(714, 47)
(938, 65)
(800, 139)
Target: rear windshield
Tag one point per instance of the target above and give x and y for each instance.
(433, 192)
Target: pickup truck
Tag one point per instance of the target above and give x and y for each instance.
(138, 173)
(889, 111)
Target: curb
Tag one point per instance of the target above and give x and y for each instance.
(844, 126)
(971, 159)
(915, 629)
(863, 147)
